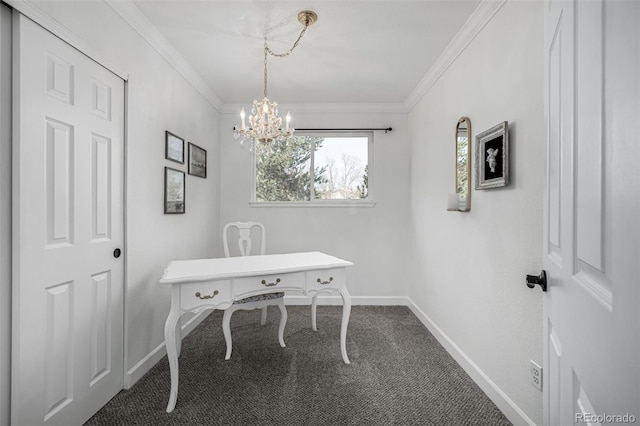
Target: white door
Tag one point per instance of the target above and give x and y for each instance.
(592, 213)
(67, 350)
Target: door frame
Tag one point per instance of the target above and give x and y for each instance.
(5, 212)
(9, 171)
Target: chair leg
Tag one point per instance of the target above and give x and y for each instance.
(226, 330)
(314, 301)
(263, 319)
(283, 321)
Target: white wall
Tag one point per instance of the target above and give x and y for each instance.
(468, 269)
(374, 238)
(465, 270)
(5, 213)
(158, 99)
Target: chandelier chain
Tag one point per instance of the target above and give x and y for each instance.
(295, 44)
(265, 69)
(267, 50)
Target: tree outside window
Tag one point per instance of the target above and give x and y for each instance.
(316, 167)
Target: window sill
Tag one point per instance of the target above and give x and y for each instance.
(314, 204)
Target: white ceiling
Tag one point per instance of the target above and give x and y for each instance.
(357, 52)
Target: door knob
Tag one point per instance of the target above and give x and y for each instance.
(116, 253)
(541, 280)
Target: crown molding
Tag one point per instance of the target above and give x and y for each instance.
(129, 12)
(31, 10)
(134, 17)
(476, 22)
(329, 108)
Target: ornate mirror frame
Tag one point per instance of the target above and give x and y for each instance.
(463, 163)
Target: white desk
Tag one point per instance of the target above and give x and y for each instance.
(197, 285)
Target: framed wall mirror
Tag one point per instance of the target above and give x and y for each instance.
(463, 164)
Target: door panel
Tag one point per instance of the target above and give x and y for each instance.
(592, 220)
(553, 381)
(589, 163)
(554, 169)
(5, 213)
(59, 182)
(68, 192)
(101, 333)
(58, 372)
(100, 188)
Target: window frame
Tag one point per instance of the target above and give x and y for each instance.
(313, 202)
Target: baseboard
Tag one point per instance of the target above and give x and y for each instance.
(355, 300)
(509, 408)
(145, 364)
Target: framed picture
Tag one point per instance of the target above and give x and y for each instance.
(174, 149)
(173, 191)
(197, 161)
(492, 157)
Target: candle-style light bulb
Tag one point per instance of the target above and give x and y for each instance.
(242, 115)
(288, 120)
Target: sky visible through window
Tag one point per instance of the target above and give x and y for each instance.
(343, 161)
(334, 147)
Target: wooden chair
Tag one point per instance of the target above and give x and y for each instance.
(243, 230)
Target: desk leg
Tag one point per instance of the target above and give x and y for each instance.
(178, 339)
(346, 312)
(314, 305)
(283, 321)
(226, 331)
(172, 354)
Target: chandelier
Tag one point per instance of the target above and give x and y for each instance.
(265, 124)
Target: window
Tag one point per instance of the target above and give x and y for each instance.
(331, 168)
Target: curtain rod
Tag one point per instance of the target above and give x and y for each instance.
(386, 129)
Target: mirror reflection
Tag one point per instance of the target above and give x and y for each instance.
(463, 165)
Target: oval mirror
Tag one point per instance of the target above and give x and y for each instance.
(463, 165)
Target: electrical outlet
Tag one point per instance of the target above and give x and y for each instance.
(536, 375)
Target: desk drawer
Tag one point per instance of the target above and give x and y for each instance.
(243, 287)
(206, 293)
(325, 279)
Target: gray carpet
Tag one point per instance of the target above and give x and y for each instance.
(399, 375)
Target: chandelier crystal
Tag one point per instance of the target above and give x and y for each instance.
(265, 123)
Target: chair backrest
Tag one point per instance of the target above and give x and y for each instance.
(243, 231)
